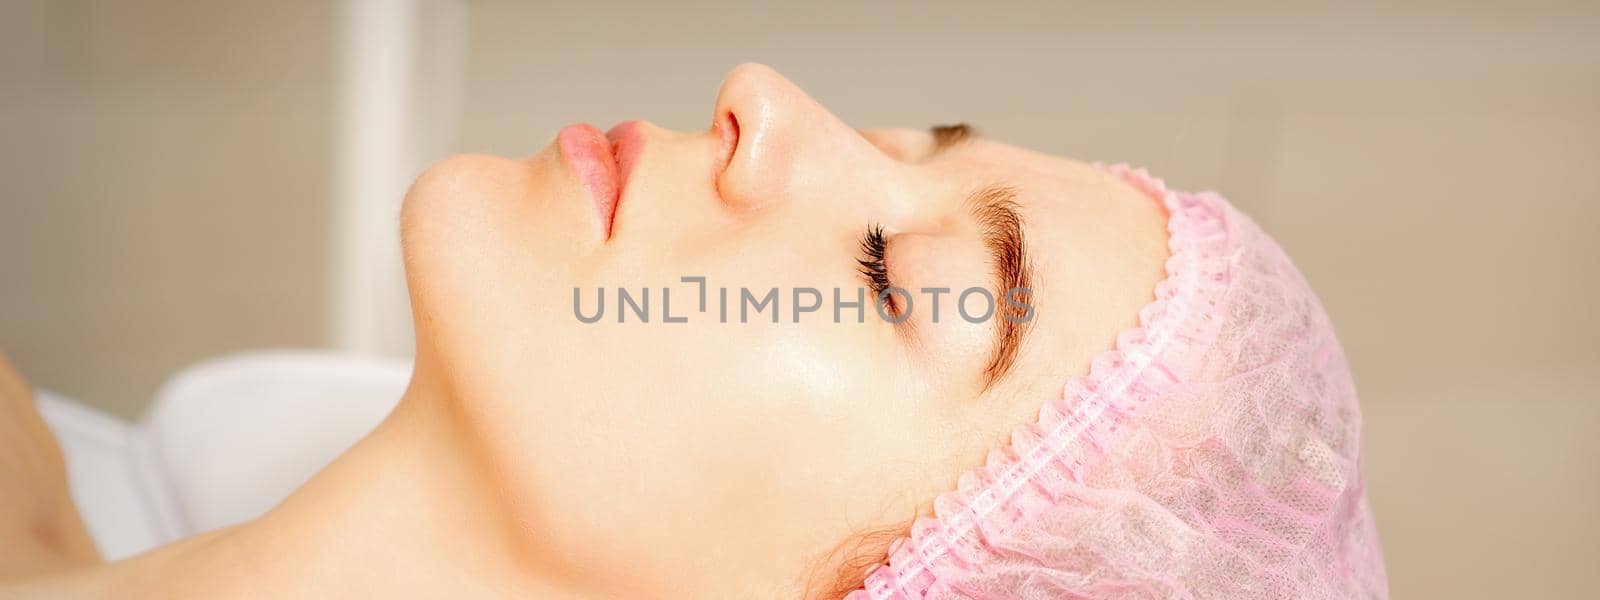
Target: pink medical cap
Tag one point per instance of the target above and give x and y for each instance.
(1215, 453)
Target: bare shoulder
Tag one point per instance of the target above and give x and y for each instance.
(42, 527)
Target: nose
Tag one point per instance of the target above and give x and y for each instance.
(781, 139)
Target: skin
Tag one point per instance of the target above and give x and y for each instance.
(39, 526)
(535, 454)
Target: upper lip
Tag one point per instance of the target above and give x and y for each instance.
(627, 142)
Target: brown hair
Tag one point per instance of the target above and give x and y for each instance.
(844, 568)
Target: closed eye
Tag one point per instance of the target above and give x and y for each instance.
(874, 268)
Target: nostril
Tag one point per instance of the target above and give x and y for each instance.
(727, 129)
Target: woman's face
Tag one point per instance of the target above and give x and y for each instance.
(750, 448)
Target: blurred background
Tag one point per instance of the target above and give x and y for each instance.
(181, 180)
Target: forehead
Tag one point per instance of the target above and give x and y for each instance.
(1096, 246)
(1073, 213)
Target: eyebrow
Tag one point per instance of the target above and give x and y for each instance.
(995, 210)
(945, 136)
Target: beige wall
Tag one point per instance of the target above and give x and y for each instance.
(1433, 171)
(164, 173)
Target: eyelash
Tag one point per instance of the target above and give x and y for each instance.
(872, 266)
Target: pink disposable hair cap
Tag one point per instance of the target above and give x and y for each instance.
(1215, 452)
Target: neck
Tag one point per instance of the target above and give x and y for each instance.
(410, 511)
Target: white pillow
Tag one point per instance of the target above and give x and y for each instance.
(223, 441)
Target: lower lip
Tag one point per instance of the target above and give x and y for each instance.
(590, 156)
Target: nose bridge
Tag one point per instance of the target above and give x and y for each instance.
(782, 138)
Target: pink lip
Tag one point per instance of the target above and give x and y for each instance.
(590, 157)
(627, 141)
(603, 162)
